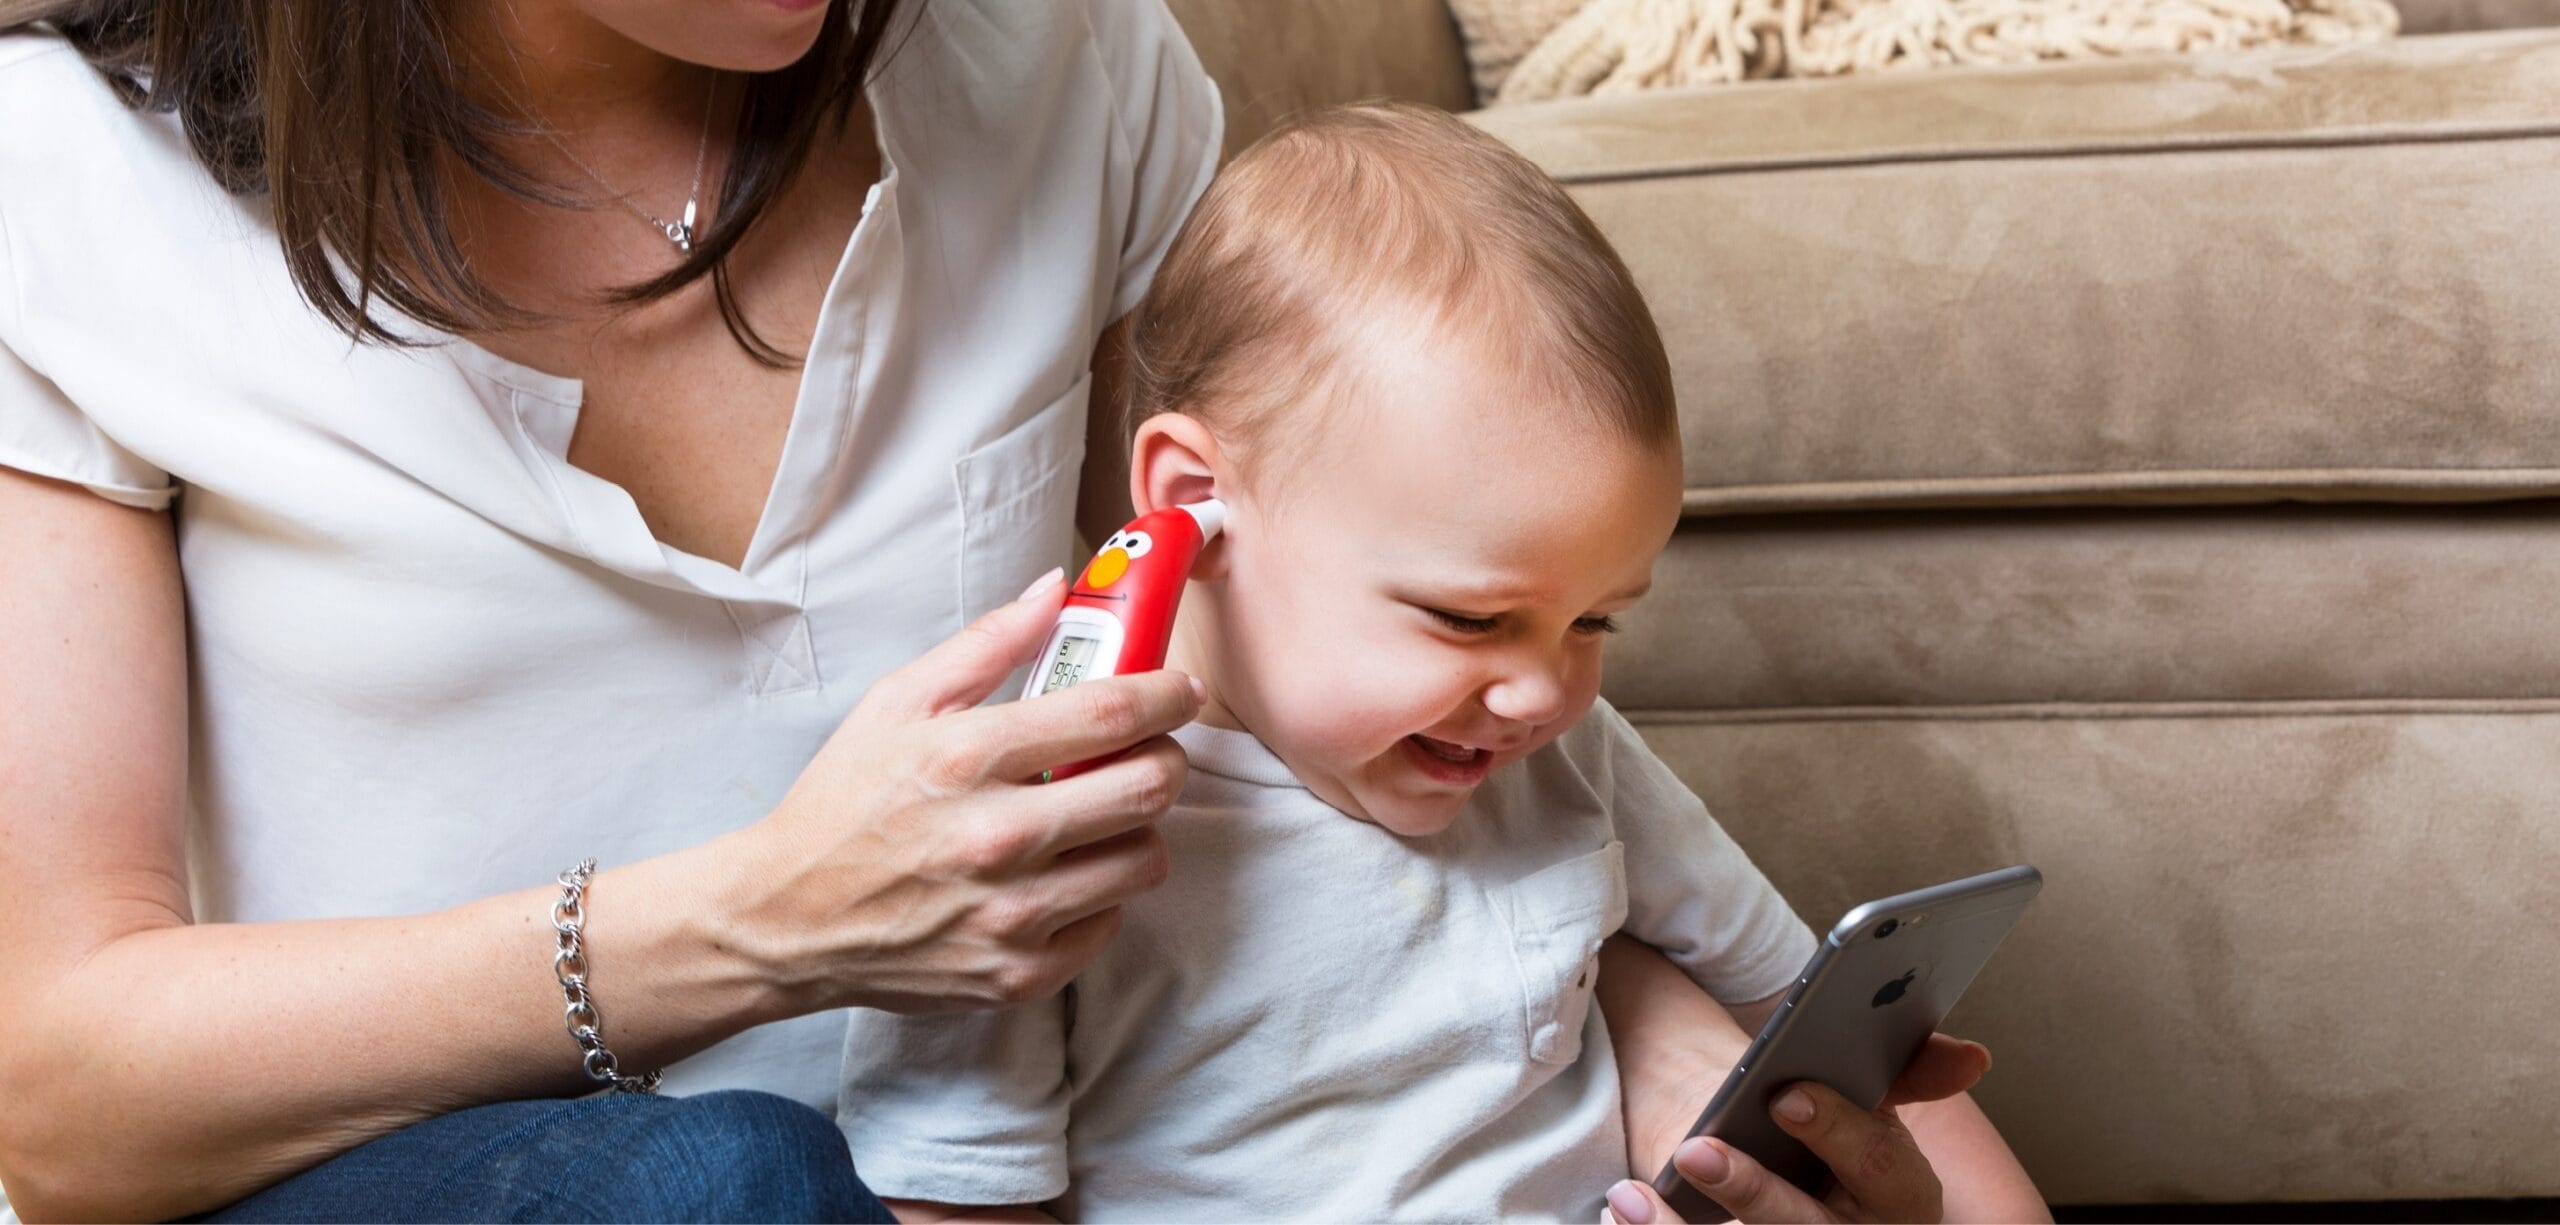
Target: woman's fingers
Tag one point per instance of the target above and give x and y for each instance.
(1012, 832)
(1872, 1154)
(1101, 877)
(1944, 1068)
(1881, 1171)
(1100, 717)
(1635, 1203)
(1078, 943)
(1746, 1188)
(1121, 795)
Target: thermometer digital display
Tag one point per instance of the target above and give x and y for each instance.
(1119, 615)
(1068, 665)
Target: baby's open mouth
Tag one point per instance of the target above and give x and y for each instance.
(1446, 751)
(1447, 764)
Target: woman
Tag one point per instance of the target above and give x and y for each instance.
(579, 407)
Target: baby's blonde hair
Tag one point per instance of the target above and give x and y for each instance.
(1345, 220)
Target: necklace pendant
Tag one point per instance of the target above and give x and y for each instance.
(681, 233)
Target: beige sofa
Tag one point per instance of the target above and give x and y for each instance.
(2144, 470)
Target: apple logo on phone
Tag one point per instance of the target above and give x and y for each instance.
(1892, 991)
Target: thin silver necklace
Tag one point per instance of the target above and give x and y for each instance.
(680, 231)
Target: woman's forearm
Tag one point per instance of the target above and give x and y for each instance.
(1674, 1044)
(178, 1067)
(151, 1067)
(1982, 1178)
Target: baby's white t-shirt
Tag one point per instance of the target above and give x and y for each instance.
(1318, 1019)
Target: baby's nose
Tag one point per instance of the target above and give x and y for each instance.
(1534, 695)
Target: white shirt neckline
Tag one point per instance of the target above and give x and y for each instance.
(546, 408)
(1239, 755)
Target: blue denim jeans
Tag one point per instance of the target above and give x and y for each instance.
(729, 1156)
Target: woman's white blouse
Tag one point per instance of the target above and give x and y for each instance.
(431, 660)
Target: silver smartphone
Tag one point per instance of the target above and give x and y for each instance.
(1864, 1005)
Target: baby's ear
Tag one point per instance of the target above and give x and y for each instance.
(1173, 460)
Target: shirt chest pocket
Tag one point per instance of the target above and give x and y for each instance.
(1558, 917)
(1018, 502)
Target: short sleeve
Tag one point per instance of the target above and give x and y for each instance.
(43, 433)
(961, 1109)
(1170, 124)
(1691, 891)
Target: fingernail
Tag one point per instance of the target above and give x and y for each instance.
(1042, 584)
(1199, 691)
(1702, 1161)
(1628, 1204)
(1795, 1106)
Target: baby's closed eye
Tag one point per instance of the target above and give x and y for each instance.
(1465, 624)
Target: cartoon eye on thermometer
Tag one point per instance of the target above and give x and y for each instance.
(1119, 616)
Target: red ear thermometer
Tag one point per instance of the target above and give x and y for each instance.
(1120, 614)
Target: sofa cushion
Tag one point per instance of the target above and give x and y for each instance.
(2076, 612)
(2294, 275)
(2280, 955)
(2444, 16)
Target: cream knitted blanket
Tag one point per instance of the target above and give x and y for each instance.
(1529, 50)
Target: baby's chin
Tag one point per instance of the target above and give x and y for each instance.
(1407, 815)
(1409, 820)
(1385, 790)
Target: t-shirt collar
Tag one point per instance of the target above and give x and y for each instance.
(1238, 755)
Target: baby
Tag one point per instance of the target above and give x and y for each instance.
(1442, 424)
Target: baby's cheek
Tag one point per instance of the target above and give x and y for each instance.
(1585, 691)
(1315, 710)
(1388, 698)
(1349, 724)
(1346, 724)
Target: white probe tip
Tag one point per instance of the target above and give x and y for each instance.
(1210, 513)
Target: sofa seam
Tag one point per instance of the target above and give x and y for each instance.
(2013, 712)
(2453, 483)
(2233, 143)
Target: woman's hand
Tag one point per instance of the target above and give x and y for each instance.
(918, 865)
(1674, 1044)
(1880, 1172)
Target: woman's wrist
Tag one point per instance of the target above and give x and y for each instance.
(584, 1020)
(1982, 1178)
(671, 958)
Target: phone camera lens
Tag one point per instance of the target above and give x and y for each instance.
(1887, 928)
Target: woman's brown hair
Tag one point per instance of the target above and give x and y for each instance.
(348, 117)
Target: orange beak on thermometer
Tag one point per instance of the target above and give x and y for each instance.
(1119, 616)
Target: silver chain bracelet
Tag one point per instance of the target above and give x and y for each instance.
(569, 965)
